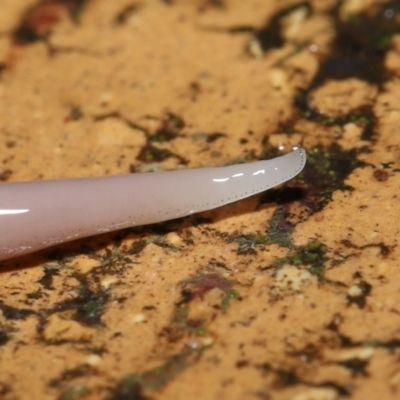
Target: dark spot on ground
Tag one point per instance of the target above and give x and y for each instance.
(47, 279)
(71, 374)
(200, 285)
(4, 338)
(381, 175)
(360, 45)
(14, 313)
(123, 16)
(38, 21)
(269, 36)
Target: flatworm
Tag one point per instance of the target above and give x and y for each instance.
(40, 214)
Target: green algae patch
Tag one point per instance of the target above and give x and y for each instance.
(74, 393)
(169, 129)
(326, 171)
(150, 154)
(312, 255)
(229, 296)
(182, 323)
(279, 229)
(133, 386)
(278, 232)
(87, 307)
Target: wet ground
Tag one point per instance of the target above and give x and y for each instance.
(292, 294)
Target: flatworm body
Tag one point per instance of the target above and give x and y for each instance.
(40, 214)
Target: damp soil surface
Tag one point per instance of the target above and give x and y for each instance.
(291, 294)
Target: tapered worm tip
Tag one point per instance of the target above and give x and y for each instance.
(36, 215)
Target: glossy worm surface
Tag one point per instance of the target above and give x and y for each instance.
(40, 214)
